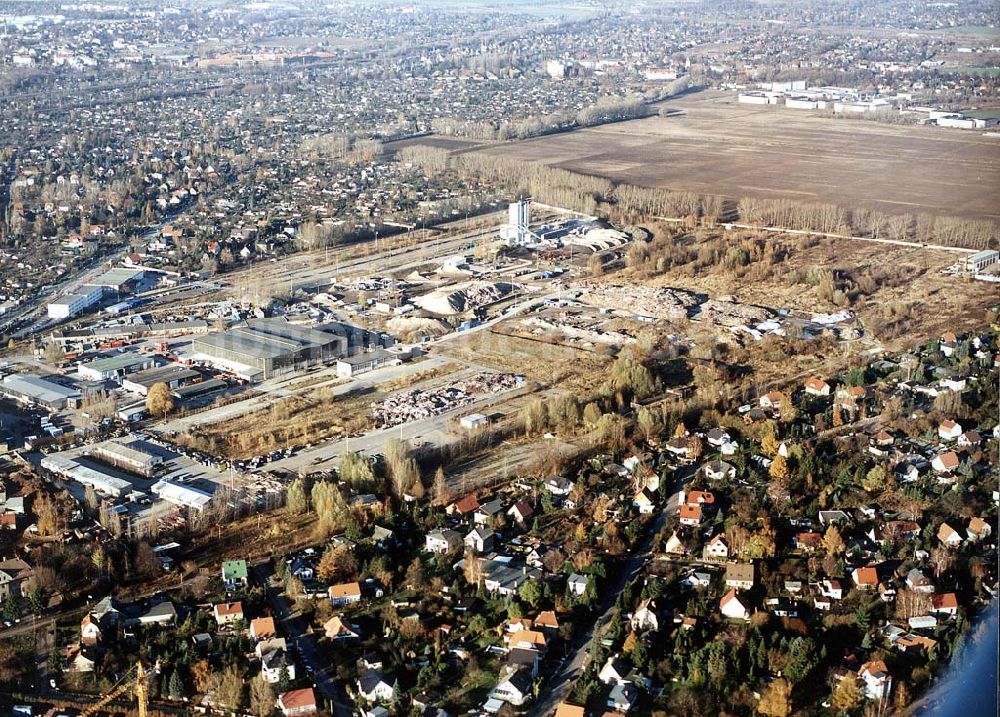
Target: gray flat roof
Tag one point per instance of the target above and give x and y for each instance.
(117, 277)
(38, 388)
(114, 363)
(267, 338)
(170, 372)
(360, 359)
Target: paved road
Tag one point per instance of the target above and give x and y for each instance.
(558, 687)
(295, 631)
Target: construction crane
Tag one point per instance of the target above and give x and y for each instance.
(135, 680)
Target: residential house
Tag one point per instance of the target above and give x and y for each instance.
(226, 613)
(717, 437)
(679, 446)
(916, 580)
(733, 606)
(773, 400)
(558, 485)
(464, 506)
(547, 623)
(674, 545)
(615, 671)
(945, 462)
(740, 576)
(833, 517)
(719, 470)
(646, 616)
(623, 697)
(262, 628)
(831, 588)
(480, 539)
(717, 548)
(577, 584)
(949, 430)
(704, 498)
(159, 613)
(969, 439)
(816, 386)
(488, 512)
(345, 593)
(644, 501)
(567, 710)
(877, 680)
(849, 398)
(234, 574)
(528, 640)
(865, 578)
(443, 541)
(515, 688)
(503, 576)
(273, 663)
(336, 629)
(690, 515)
(90, 630)
(297, 702)
(697, 579)
(948, 536)
(374, 686)
(944, 604)
(521, 512)
(979, 529)
(15, 577)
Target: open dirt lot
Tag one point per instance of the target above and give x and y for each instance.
(717, 146)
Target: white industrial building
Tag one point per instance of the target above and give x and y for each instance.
(182, 495)
(72, 469)
(975, 263)
(72, 304)
(516, 230)
(38, 391)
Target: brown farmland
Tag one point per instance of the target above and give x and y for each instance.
(716, 146)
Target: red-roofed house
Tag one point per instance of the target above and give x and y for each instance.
(949, 430)
(865, 578)
(228, 612)
(690, 515)
(297, 702)
(817, 387)
(877, 680)
(944, 604)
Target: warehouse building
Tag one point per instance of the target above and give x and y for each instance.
(37, 391)
(172, 375)
(262, 348)
(975, 263)
(362, 363)
(115, 367)
(70, 305)
(128, 453)
(121, 280)
(183, 495)
(72, 469)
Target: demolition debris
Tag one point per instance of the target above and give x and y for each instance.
(417, 404)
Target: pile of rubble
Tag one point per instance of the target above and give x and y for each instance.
(415, 405)
(467, 297)
(643, 300)
(727, 311)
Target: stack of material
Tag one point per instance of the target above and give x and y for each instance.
(415, 405)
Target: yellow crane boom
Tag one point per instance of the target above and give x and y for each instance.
(135, 680)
